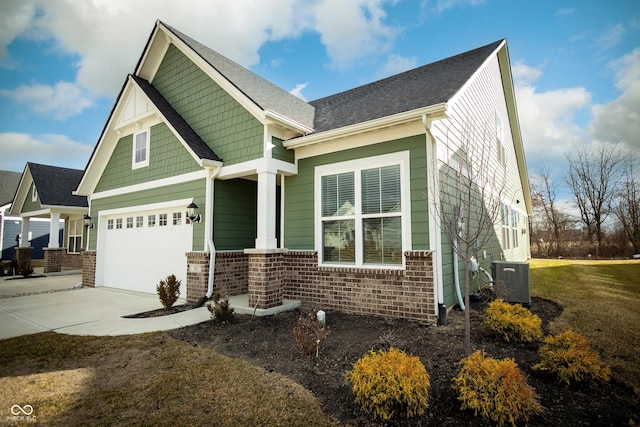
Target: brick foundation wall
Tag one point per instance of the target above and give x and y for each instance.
(72, 261)
(89, 268)
(22, 254)
(231, 273)
(393, 293)
(53, 259)
(265, 279)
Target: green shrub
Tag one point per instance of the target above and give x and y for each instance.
(168, 291)
(513, 322)
(497, 390)
(25, 268)
(390, 383)
(570, 358)
(221, 311)
(310, 334)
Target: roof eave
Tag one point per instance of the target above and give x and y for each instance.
(370, 125)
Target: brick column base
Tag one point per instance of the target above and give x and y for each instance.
(22, 254)
(53, 259)
(89, 268)
(197, 275)
(266, 278)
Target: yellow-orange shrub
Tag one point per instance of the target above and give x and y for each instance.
(570, 358)
(513, 322)
(497, 390)
(390, 383)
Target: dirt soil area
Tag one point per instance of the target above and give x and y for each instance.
(268, 342)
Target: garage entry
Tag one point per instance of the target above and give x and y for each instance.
(138, 249)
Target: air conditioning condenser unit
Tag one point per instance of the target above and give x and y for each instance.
(511, 281)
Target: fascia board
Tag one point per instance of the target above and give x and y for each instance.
(367, 126)
(514, 123)
(21, 192)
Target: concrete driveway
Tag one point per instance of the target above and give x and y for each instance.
(86, 311)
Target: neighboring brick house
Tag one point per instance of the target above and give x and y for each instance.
(331, 202)
(45, 193)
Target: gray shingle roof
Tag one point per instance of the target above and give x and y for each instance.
(430, 84)
(9, 182)
(55, 185)
(263, 93)
(199, 147)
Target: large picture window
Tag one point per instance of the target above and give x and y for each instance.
(360, 210)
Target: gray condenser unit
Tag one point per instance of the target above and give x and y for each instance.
(511, 281)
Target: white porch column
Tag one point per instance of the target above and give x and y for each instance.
(24, 232)
(266, 238)
(54, 230)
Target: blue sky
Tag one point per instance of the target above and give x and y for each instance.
(576, 64)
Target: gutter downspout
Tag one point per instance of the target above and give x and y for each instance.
(208, 233)
(434, 213)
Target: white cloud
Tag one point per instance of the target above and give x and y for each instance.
(49, 149)
(108, 36)
(297, 91)
(353, 29)
(440, 6)
(547, 118)
(61, 101)
(619, 120)
(610, 37)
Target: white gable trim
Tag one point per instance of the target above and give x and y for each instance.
(114, 132)
(192, 176)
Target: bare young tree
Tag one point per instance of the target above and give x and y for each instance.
(544, 194)
(472, 185)
(627, 209)
(594, 173)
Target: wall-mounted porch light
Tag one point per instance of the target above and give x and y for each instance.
(87, 221)
(192, 213)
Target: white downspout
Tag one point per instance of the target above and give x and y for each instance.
(434, 211)
(208, 228)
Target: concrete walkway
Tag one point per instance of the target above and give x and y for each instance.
(52, 303)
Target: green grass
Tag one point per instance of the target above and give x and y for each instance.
(601, 300)
(149, 379)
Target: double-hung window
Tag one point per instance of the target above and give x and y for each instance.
(140, 157)
(75, 235)
(362, 212)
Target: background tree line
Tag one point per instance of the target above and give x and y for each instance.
(603, 218)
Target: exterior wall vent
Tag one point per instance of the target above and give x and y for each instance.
(511, 281)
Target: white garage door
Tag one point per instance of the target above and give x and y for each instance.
(142, 248)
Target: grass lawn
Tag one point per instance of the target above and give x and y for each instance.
(148, 379)
(601, 300)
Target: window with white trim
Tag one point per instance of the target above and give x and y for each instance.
(360, 208)
(514, 228)
(140, 157)
(162, 220)
(506, 229)
(139, 221)
(75, 235)
(152, 221)
(118, 223)
(130, 222)
(177, 218)
(109, 224)
(34, 193)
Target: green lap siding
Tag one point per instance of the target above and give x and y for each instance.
(29, 205)
(299, 197)
(235, 214)
(227, 127)
(167, 158)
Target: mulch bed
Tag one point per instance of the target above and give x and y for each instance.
(160, 312)
(268, 342)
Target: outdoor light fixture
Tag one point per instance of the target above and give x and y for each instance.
(192, 213)
(87, 221)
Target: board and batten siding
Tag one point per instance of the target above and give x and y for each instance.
(478, 106)
(139, 199)
(167, 158)
(222, 123)
(299, 191)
